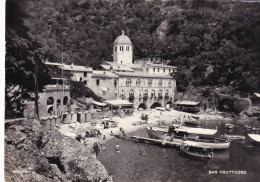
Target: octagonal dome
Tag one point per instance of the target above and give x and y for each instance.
(123, 39)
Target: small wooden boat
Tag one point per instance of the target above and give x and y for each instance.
(196, 151)
(233, 137)
(229, 126)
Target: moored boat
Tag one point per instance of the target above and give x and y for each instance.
(196, 151)
(187, 134)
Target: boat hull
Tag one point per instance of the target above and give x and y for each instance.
(200, 143)
(207, 156)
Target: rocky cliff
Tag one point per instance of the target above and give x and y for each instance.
(33, 154)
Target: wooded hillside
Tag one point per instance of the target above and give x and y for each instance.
(212, 43)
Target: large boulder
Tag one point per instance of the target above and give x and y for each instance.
(33, 154)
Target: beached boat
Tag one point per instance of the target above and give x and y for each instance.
(196, 151)
(229, 126)
(197, 135)
(255, 138)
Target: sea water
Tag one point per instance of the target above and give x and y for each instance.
(140, 162)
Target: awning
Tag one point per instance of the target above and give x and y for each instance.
(255, 137)
(98, 103)
(199, 131)
(257, 94)
(187, 103)
(119, 103)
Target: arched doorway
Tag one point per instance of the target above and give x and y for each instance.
(65, 100)
(142, 106)
(169, 104)
(156, 104)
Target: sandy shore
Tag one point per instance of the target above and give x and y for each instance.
(128, 123)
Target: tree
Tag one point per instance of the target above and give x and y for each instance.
(21, 56)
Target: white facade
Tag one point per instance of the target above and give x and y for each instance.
(123, 50)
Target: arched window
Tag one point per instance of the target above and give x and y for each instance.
(153, 93)
(170, 84)
(160, 83)
(65, 100)
(160, 94)
(138, 83)
(131, 93)
(167, 93)
(50, 101)
(128, 82)
(115, 49)
(123, 96)
(150, 83)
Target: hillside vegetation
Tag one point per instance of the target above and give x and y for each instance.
(212, 43)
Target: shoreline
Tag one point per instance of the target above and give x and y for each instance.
(127, 123)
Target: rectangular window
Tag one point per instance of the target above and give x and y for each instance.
(97, 82)
(158, 70)
(115, 49)
(164, 70)
(85, 74)
(153, 69)
(122, 48)
(85, 82)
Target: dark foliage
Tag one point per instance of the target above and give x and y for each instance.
(211, 42)
(79, 90)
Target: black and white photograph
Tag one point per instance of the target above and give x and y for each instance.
(131, 91)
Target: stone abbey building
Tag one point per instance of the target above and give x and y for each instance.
(144, 82)
(147, 82)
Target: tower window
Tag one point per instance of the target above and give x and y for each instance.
(97, 82)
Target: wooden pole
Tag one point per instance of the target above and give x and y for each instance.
(36, 87)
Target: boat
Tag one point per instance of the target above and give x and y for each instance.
(255, 138)
(196, 151)
(198, 135)
(229, 126)
(233, 137)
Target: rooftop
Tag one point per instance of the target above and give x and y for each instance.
(144, 75)
(162, 65)
(73, 67)
(119, 103)
(187, 103)
(109, 74)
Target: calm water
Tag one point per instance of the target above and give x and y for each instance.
(168, 164)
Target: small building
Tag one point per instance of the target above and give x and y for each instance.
(187, 106)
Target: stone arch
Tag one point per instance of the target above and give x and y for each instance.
(50, 110)
(226, 105)
(142, 105)
(50, 101)
(155, 104)
(65, 100)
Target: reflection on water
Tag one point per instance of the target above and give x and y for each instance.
(157, 164)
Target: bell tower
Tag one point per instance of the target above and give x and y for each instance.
(123, 50)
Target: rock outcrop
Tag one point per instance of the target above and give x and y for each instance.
(33, 154)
